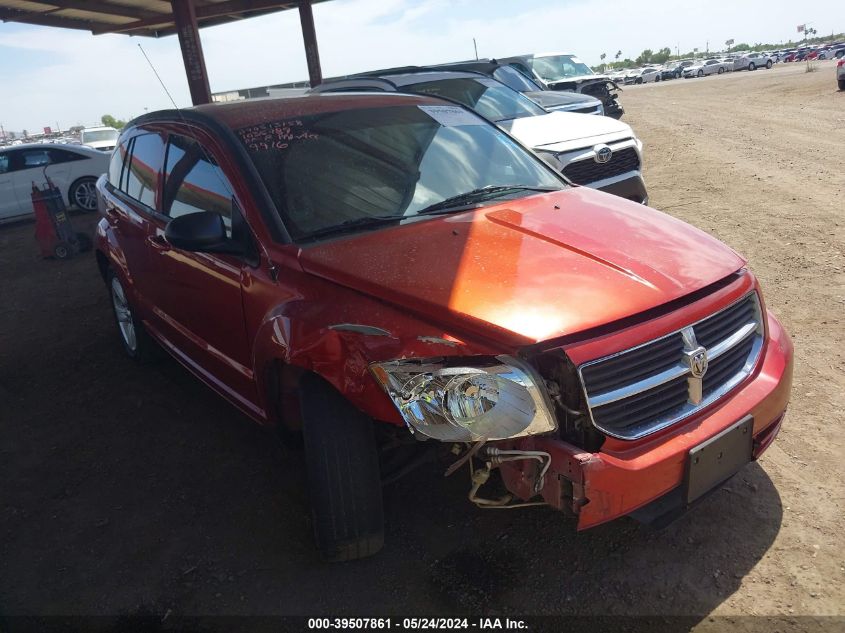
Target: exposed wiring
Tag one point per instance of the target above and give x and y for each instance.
(479, 478)
(460, 462)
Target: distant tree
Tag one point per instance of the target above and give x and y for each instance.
(661, 56)
(645, 56)
(618, 55)
(76, 128)
(25, 133)
(602, 56)
(109, 121)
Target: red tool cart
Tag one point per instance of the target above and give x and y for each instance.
(53, 230)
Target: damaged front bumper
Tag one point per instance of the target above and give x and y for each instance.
(624, 477)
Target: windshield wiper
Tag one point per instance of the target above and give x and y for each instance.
(357, 224)
(477, 195)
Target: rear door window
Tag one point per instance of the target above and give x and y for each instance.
(194, 182)
(141, 180)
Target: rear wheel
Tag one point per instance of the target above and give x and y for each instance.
(841, 84)
(721, 70)
(136, 342)
(751, 66)
(62, 250)
(344, 483)
(83, 193)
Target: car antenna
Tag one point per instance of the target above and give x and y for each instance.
(155, 72)
(205, 154)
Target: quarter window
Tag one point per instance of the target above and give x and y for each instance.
(194, 182)
(64, 156)
(116, 165)
(144, 164)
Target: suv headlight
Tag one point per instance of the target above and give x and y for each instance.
(466, 400)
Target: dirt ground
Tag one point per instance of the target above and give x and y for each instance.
(128, 490)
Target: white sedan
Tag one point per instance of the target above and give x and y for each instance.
(642, 75)
(708, 67)
(74, 169)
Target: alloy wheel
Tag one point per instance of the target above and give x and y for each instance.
(123, 312)
(85, 195)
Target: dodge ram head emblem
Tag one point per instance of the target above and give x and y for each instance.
(603, 153)
(698, 363)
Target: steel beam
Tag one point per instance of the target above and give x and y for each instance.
(189, 41)
(309, 36)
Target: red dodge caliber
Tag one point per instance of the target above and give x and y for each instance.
(390, 276)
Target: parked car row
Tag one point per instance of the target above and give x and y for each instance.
(595, 151)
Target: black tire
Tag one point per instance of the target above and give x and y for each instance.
(344, 484)
(62, 250)
(83, 194)
(639, 80)
(721, 70)
(678, 74)
(769, 64)
(751, 66)
(700, 73)
(140, 348)
(83, 242)
(841, 83)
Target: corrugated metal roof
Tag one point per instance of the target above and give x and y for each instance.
(132, 17)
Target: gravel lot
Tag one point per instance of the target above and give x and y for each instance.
(132, 490)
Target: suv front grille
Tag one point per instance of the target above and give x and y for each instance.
(652, 386)
(583, 172)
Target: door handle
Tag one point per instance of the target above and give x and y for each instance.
(158, 242)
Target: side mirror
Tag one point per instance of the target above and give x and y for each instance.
(202, 232)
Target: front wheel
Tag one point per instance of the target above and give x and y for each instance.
(841, 84)
(721, 70)
(751, 66)
(344, 483)
(769, 64)
(83, 194)
(700, 73)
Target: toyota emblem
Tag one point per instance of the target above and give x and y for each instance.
(603, 153)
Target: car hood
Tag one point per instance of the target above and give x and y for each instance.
(556, 98)
(530, 269)
(565, 128)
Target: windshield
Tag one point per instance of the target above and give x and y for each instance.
(556, 67)
(336, 168)
(94, 136)
(512, 78)
(489, 98)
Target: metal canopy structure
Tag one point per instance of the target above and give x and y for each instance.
(155, 18)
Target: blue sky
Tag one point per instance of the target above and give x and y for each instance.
(68, 77)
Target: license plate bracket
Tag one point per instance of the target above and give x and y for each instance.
(719, 458)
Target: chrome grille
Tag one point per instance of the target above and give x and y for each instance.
(583, 172)
(644, 389)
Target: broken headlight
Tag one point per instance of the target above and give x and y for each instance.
(451, 401)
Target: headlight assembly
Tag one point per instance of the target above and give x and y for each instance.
(464, 400)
